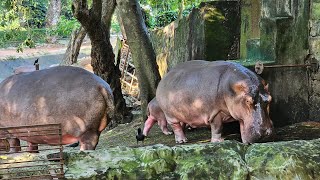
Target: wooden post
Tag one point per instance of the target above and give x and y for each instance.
(37, 66)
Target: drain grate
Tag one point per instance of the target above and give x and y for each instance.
(47, 163)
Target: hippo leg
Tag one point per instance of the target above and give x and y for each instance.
(32, 148)
(89, 140)
(177, 130)
(216, 128)
(14, 145)
(164, 126)
(148, 125)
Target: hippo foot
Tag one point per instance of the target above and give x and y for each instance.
(167, 133)
(181, 141)
(217, 139)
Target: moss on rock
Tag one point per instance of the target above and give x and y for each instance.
(227, 160)
(284, 160)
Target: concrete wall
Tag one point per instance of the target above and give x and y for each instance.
(210, 32)
(314, 43)
(284, 38)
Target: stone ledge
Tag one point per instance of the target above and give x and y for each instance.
(226, 160)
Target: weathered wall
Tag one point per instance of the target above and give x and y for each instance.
(284, 38)
(250, 31)
(210, 32)
(315, 49)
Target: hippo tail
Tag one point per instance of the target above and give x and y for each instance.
(108, 97)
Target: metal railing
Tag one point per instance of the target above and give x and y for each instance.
(29, 161)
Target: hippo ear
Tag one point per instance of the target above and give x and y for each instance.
(240, 87)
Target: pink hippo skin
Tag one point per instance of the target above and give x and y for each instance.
(203, 93)
(22, 69)
(81, 101)
(155, 114)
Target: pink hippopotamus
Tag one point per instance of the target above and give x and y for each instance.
(155, 114)
(203, 93)
(76, 98)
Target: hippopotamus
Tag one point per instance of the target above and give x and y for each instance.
(22, 69)
(77, 99)
(202, 93)
(155, 114)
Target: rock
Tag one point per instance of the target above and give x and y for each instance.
(284, 160)
(298, 159)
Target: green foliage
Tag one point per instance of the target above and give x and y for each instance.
(115, 27)
(64, 27)
(166, 17)
(66, 9)
(37, 13)
(161, 13)
(21, 37)
(17, 19)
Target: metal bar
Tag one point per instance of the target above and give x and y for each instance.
(39, 145)
(31, 150)
(44, 175)
(34, 135)
(32, 126)
(53, 159)
(288, 65)
(31, 131)
(38, 165)
(61, 150)
(37, 170)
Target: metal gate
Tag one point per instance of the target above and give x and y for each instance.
(46, 162)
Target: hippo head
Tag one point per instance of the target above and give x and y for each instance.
(250, 106)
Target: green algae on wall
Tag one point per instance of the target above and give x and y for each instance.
(221, 29)
(284, 160)
(250, 29)
(226, 160)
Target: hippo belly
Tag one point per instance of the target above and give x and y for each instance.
(73, 97)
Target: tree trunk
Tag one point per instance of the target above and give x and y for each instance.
(72, 52)
(53, 13)
(143, 55)
(97, 25)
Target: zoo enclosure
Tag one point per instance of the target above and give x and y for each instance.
(47, 164)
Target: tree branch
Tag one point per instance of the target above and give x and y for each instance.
(96, 8)
(108, 8)
(80, 11)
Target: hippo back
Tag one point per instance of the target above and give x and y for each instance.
(72, 96)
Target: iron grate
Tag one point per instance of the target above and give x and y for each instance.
(47, 163)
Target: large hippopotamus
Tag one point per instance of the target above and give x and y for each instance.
(76, 98)
(203, 93)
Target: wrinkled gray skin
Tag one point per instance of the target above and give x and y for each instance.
(155, 115)
(81, 101)
(202, 93)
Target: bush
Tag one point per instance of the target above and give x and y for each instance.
(14, 37)
(64, 27)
